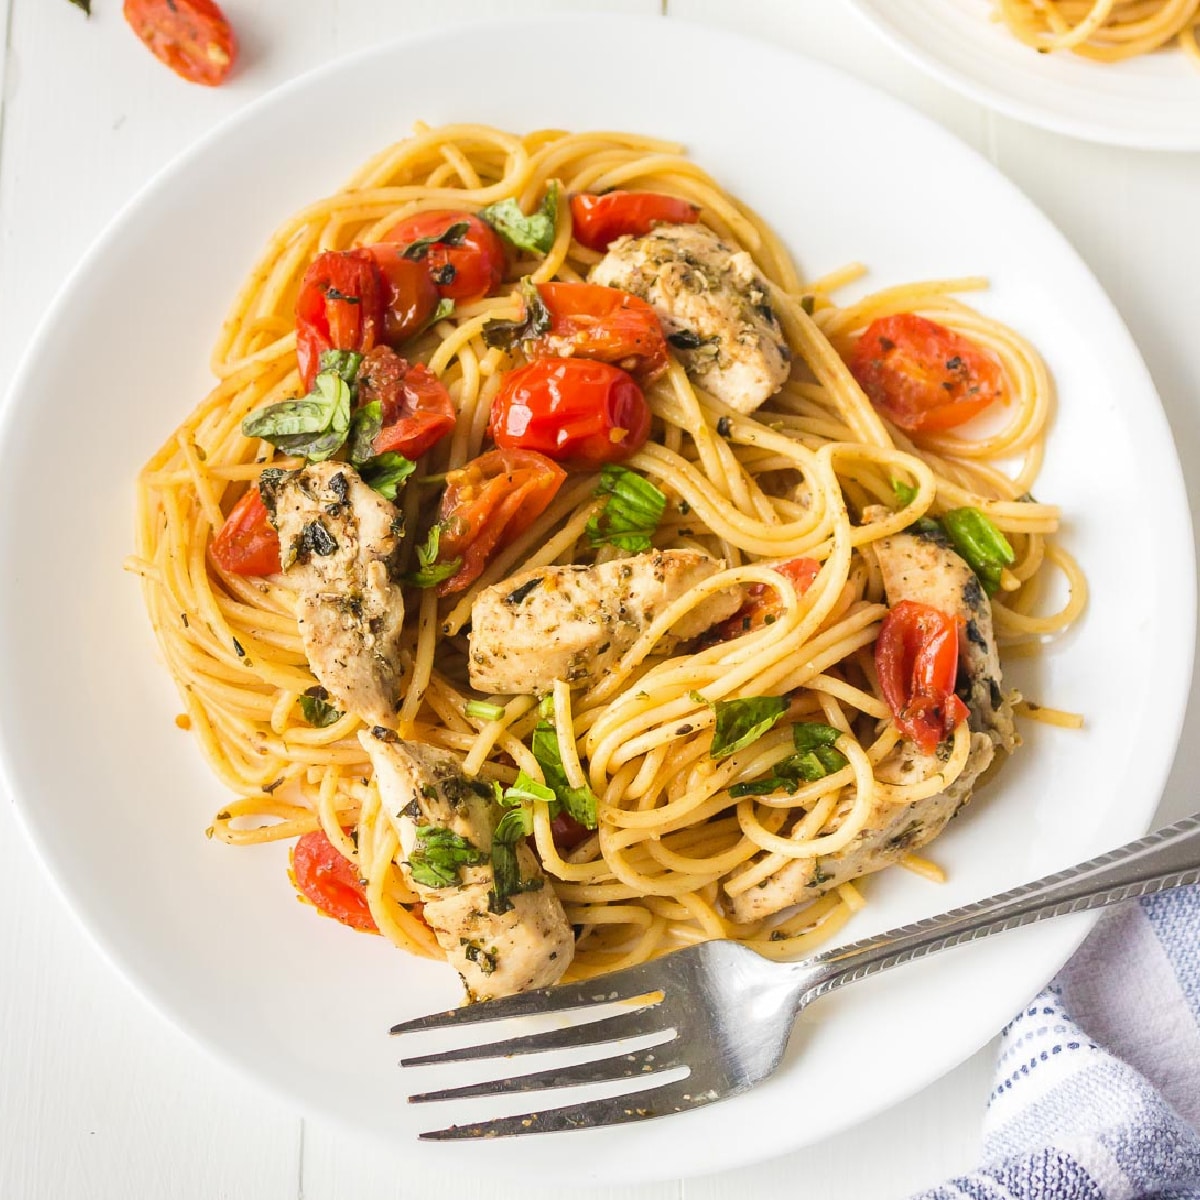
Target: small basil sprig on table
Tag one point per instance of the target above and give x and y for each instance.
(579, 803)
(535, 232)
(516, 824)
(439, 856)
(739, 723)
(314, 426)
(979, 540)
(631, 515)
(535, 320)
(429, 571)
(814, 757)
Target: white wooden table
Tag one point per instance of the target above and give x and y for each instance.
(98, 1096)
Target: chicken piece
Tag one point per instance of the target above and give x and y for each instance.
(574, 623)
(712, 302)
(337, 538)
(924, 567)
(891, 832)
(527, 946)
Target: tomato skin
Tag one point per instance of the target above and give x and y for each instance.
(598, 220)
(567, 832)
(193, 37)
(922, 376)
(340, 307)
(417, 409)
(916, 657)
(763, 602)
(602, 323)
(409, 295)
(477, 261)
(247, 543)
(489, 503)
(572, 410)
(330, 882)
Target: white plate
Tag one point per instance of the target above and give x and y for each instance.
(116, 798)
(1151, 102)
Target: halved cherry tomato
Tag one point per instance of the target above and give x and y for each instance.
(923, 376)
(763, 605)
(487, 504)
(247, 543)
(330, 882)
(340, 307)
(916, 656)
(598, 220)
(417, 409)
(465, 271)
(590, 321)
(409, 295)
(567, 832)
(193, 37)
(571, 409)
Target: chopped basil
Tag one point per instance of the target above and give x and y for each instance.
(314, 427)
(632, 513)
(742, 722)
(317, 710)
(439, 856)
(815, 757)
(386, 472)
(429, 571)
(365, 424)
(453, 236)
(685, 339)
(516, 824)
(535, 320)
(808, 735)
(905, 493)
(579, 803)
(978, 539)
(535, 232)
(343, 363)
(483, 711)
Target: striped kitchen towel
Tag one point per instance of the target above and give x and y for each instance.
(1097, 1087)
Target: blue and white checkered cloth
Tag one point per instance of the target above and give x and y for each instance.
(1097, 1088)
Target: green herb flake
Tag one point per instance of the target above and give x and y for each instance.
(632, 513)
(535, 320)
(978, 539)
(740, 723)
(386, 473)
(316, 709)
(481, 710)
(534, 233)
(439, 856)
(905, 493)
(579, 803)
(429, 571)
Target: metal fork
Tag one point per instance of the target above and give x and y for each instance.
(728, 1011)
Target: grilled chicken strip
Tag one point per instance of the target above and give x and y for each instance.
(712, 301)
(574, 623)
(337, 537)
(497, 954)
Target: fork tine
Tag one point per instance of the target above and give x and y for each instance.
(621, 985)
(637, 1023)
(616, 1110)
(643, 1063)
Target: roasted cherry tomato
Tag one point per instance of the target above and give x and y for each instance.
(409, 295)
(247, 543)
(571, 409)
(916, 657)
(568, 832)
(340, 307)
(598, 220)
(763, 606)
(589, 321)
(193, 37)
(467, 270)
(487, 504)
(922, 376)
(330, 882)
(417, 409)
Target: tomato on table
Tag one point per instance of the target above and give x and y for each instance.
(597, 220)
(330, 882)
(603, 323)
(916, 657)
(469, 268)
(922, 376)
(571, 409)
(340, 307)
(489, 503)
(410, 297)
(417, 411)
(763, 605)
(193, 37)
(247, 543)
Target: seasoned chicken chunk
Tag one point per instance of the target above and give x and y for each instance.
(337, 538)
(574, 623)
(530, 944)
(712, 301)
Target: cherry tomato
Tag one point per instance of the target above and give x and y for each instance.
(598, 220)
(247, 543)
(193, 37)
(340, 307)
(487, 504)
(417, 409)
(330, 882)
(589, 321)
(567, 832)
(571, 409)
(922, 376)
(916, 656)
(409, 295)
(763, 605)
(465, 271)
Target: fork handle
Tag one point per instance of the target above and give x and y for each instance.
(1165, 859)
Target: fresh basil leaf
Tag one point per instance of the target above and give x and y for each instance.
(453, 236)
(314, 427)
(535, 232)
(579, 803)
(978, 539)
(343, 363)
(528, 788)
(764, 786)
(317, 710)
(535, 320)
(386, 472)
(429, 571)
(808, 735)
(814, 758)
(739, 723)
(365, 424)
(905, 493)
(516, 824)
(632, 513)
(816, 763)
(439, 856)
